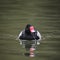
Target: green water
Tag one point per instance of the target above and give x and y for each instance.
(43, 14)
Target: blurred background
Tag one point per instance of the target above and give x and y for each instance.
(43, 14)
